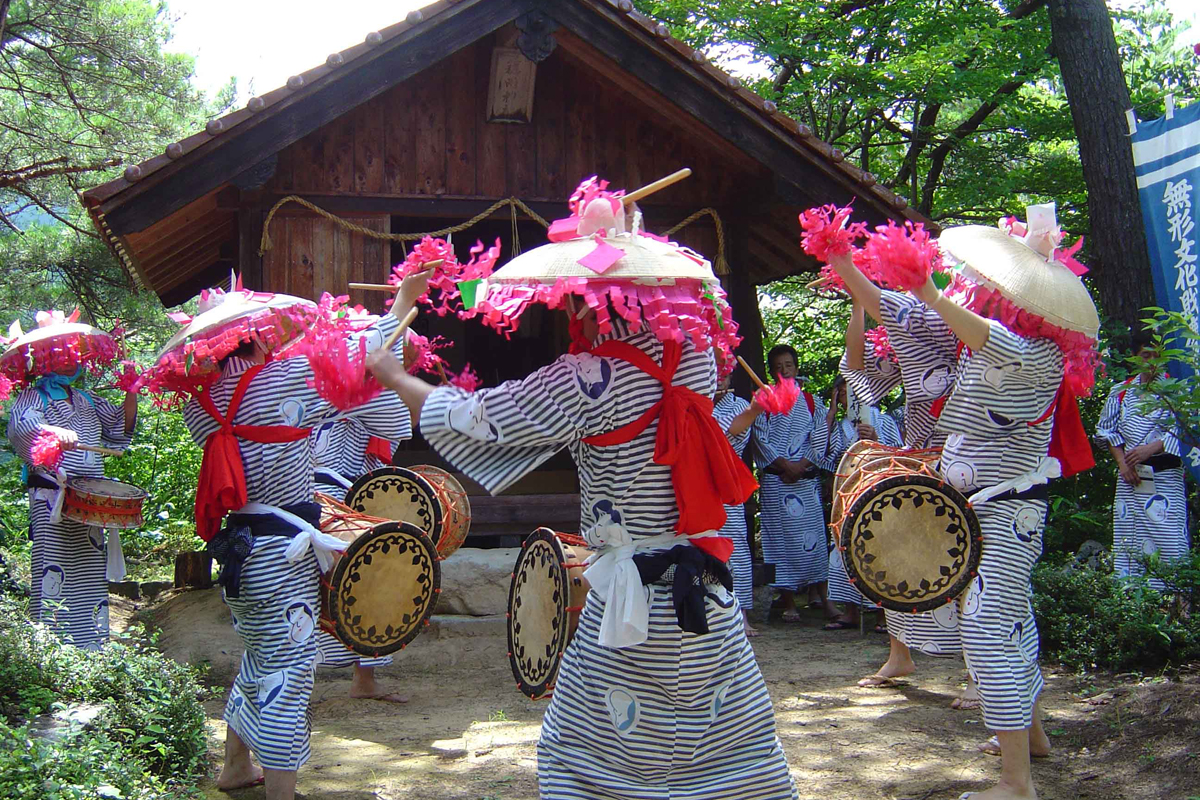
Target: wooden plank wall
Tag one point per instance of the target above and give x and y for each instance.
(429, 136)
(311, 255)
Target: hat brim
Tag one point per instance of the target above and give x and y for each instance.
(262, 314)
(46, 336)
(1046, 288)
(645, 259)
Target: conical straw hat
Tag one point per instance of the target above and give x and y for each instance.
(263, 311)
(1032, 281)
(645, 259)
(95, 345)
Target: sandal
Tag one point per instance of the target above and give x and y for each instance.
(992, 748)
(878, 682)
(880, 629)
(840, 625)
(791, 616)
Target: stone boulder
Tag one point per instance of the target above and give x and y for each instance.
(475, 581)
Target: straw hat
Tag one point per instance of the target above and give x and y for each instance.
(644, 259)
(1024, 268)
(54, 331)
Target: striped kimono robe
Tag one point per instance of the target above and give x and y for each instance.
(793, 520)
(681, 714)
(926, 350)
(841, 590)
(997, 429)
(340, 457)
(1145, 521)
(69, 559)
(279, 604)
(741, 563)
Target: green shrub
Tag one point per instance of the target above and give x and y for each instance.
(1089, 620)
(151, 707)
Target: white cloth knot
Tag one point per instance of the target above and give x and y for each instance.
(1047, 469)
(323, 545)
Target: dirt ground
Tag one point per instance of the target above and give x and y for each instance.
(467, 734)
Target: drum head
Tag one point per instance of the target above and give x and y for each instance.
(537, 613)
(399, 494)
(107, 487)
(911, 543)
(384, 588)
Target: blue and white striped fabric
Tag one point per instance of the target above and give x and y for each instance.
(681, 715)
(277, 612)
(926, 350)
(1166, 158)
(841, 590)
(792, 518)
(1001, 391)
(68, 559)
(741, 563)
(340, 447)
(1145, 521)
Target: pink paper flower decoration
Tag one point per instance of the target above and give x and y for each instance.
(778, 399)
(828, 232)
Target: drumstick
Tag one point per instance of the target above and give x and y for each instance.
(651, 188)
(388, 287)
(810, 285)
(412, 314)
(442, 371)
(375, 287)
(752, 373)
(104, 451)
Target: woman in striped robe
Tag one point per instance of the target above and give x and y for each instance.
(735, 416)
(677, 713)
(274, 598)
(1150, 509)
(999, 420)
(786, 448)
(863, 422)
(923, 359)
(69, 559)
(344, 450)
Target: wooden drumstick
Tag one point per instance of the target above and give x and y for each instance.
(752, 374)
(814, 284)
(651, 188)
(391, 340)
(442, 371)
(104, 451)
(375, 287)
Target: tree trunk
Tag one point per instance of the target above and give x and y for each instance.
(1083, 39)
(193, 570)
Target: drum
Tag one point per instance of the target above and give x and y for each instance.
(864, 458)
(456, 507)
(400, 494)
(544, 602)
(103, 502)
(909, 541)
(382, 590)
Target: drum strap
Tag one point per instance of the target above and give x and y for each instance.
(706, 473)
(222, 484)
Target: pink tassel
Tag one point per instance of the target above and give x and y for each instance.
(826, 232)
(778, 399)
(466, 380)
(881, 343)
(903, 257)
(6, 387)
(46, 450)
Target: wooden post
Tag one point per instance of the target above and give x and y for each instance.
(193, 570)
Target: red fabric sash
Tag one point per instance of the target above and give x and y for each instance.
(811, 403)
(222, 484)
(1068, 440)
(380, 448)
(705, 471)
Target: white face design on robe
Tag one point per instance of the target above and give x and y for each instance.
(624, 710)
(946, 616)
(972, 599)
(468, 419)
(794, 506)
(100, 617)
(323, 439)
(593, 375)
(1027, 521)
(936, 380)
(960, 474)
(96, 538)
(300, 622)
(885, 366)
(997, 375)
(719, 699)
(1157, 507)
(53, 580)
(271, 687)
(292, 412)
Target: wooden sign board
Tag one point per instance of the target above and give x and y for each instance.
(510, 96)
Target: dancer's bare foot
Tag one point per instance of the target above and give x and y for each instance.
(234, 777)
(896, 667)
(1002, 791)
(751, 631)
(969, 699)
(364, 687)
(1039, 746)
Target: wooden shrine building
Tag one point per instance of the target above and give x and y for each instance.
(458, 108)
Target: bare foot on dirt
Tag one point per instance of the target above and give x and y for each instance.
(894, 668)
(1039, 746)
(383, 697)
(364, 687)
(1002, 791)
(230, 780)
(968, 700)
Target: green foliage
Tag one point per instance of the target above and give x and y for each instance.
(151, 730)
(1176, 342)
(814, 325)
(1088, 620)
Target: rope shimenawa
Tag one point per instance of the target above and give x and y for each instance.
(721, 266)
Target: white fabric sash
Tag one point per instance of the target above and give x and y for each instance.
(1048, 468)
(115, 566)
(612, 573)
(323, 545)
(326, 475)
